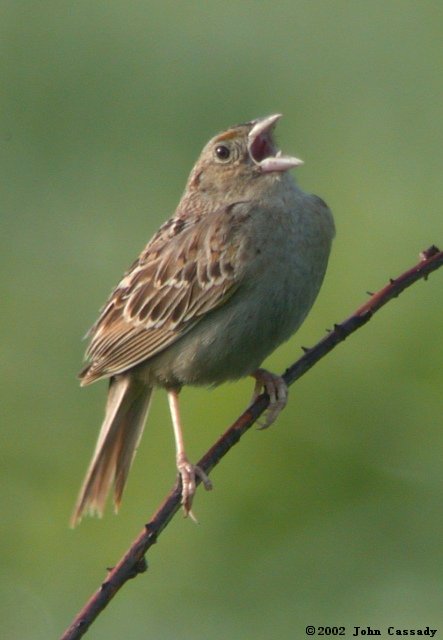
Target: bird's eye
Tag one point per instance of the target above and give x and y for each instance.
(222, 152)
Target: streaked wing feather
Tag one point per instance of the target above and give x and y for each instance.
(186, 271)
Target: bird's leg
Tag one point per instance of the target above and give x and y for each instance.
(186, 469)
(277, 390)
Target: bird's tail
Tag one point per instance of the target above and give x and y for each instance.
(126, 411)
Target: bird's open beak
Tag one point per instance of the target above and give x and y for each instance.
(262, 148)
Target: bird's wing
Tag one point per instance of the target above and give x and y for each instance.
(186, 270)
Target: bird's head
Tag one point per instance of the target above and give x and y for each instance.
(242, 158)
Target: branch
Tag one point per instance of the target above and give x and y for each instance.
(134, 562)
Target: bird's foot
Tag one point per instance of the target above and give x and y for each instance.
(188, 473)
(277, 390)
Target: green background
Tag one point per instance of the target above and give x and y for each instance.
(334, 515)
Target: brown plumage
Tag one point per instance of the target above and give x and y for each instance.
(220, 285)
(184, 272)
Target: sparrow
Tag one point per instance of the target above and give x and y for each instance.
(218, 288)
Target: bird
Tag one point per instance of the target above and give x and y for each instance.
(222, 283)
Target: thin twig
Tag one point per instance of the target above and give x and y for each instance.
(134, 562)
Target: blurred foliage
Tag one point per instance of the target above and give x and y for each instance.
(334, 515)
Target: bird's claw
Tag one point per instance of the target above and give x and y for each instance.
(277, 390)
(188, 473)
